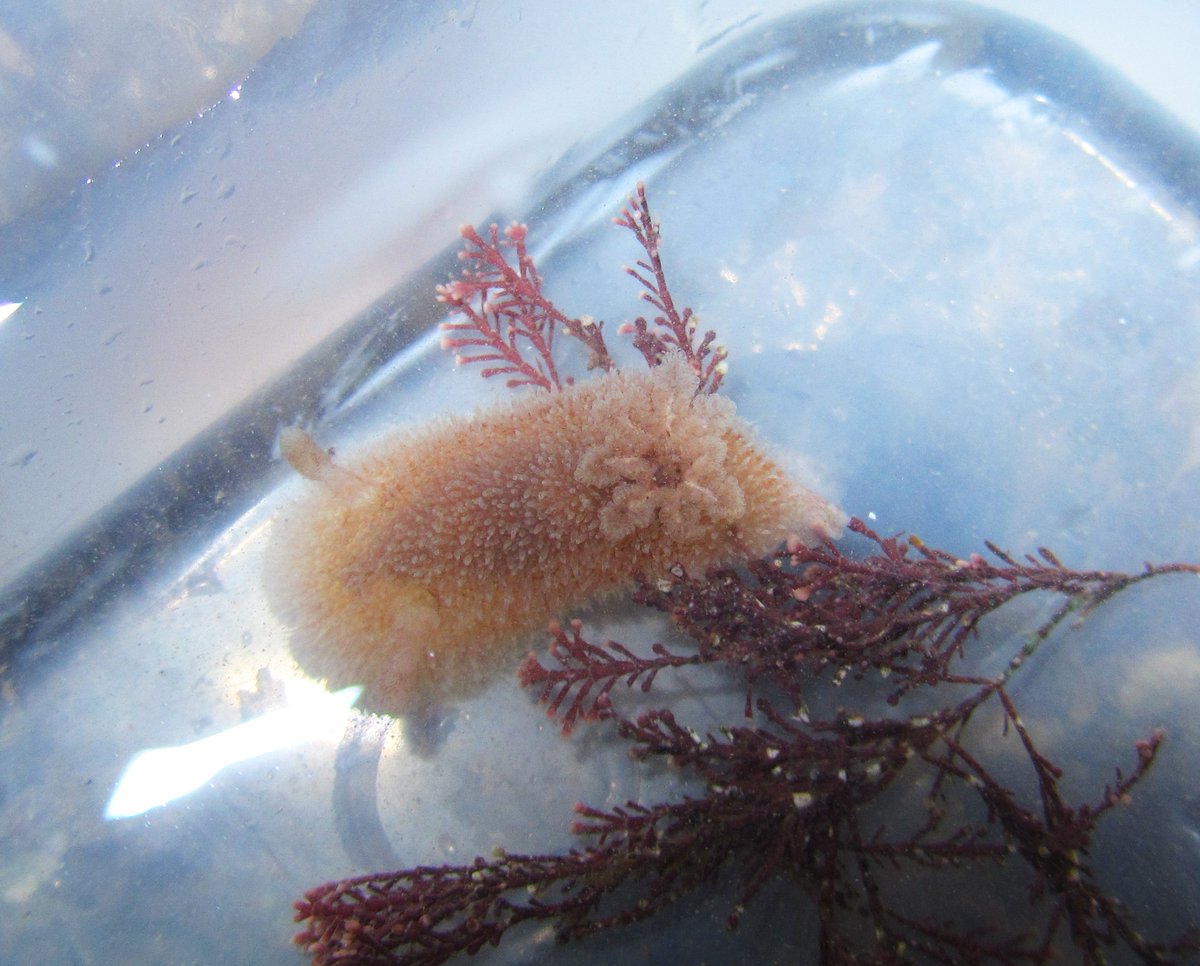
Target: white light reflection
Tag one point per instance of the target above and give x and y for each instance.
(1090, 150)
(157, 776)
(7, 309)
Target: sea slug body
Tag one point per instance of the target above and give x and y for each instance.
(419, 568)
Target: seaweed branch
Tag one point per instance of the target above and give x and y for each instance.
(503, 318)
(507, 321)
(905, 611)
(675, 329)
(788, 797)
(589, 670)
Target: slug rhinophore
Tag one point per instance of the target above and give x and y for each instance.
(418, 568)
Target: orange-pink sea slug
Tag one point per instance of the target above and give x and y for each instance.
(418, 568)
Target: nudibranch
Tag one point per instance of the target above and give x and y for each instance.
(419, 568)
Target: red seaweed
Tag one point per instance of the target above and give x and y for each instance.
(784, 795)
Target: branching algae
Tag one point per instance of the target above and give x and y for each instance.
(437, 551)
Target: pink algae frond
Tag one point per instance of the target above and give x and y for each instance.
(508, 322)
(504, 320)
(675, 330)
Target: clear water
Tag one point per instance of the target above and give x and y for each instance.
(957, 268)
